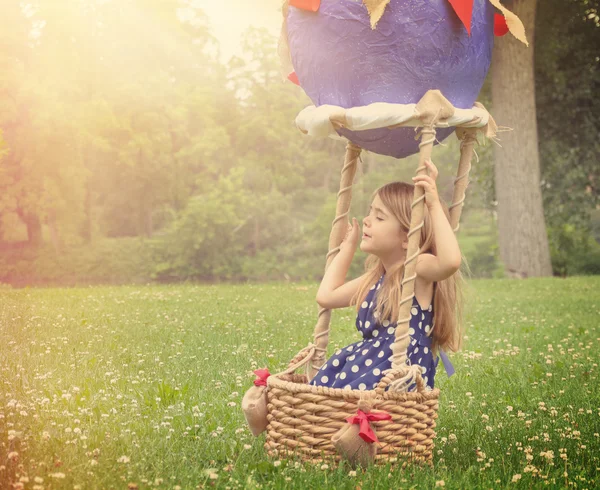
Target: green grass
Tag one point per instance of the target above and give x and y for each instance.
(108, 386)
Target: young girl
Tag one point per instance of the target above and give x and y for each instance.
(377, 293)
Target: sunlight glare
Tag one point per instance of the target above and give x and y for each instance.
(230, 18)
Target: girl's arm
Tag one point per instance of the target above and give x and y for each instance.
(437, 268)
(333, 293)
(447, 262)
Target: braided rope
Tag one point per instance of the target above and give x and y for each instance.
(338, 231)
(402, 337)
(468, 138)
(300, 359)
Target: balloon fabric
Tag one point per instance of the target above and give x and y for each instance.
(416, 46)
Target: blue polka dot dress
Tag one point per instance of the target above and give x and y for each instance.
(359, 366)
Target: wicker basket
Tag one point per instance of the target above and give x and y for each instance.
(302, 418)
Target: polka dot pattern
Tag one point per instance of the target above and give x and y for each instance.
(360, 365)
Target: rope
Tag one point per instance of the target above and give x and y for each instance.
(468, 139)
(427, 135)
(402, 384)
(338, 231)
(401, 341)
(303, 357)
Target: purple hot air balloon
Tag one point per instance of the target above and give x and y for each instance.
(416, 46)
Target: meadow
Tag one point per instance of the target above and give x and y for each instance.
(140, 387)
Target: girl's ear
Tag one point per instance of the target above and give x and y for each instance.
(405, 245)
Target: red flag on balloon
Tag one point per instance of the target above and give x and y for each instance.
(311, 5)
(464, 10)
(500, 25)
(292, 77)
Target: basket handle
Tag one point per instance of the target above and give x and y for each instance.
(303, 357)
(401, 377)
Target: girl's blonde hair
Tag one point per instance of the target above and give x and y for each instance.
(447, 294)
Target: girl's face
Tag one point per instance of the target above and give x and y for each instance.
(382, 233)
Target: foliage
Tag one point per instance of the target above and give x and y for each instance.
(112, 131)
(567, 82)
(108, 261)
(573, 251)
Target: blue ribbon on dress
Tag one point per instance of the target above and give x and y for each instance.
(447, 364)
(426, 341)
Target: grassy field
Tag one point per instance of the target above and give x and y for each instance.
(140, 387)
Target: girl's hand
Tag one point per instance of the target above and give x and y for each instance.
(427, 182)
(352, 235)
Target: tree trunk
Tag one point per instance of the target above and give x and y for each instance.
(523, 239)
(256, 236)
(149, 225)
(147, 206)
(54, 235)
(34, 228)
(87, 225)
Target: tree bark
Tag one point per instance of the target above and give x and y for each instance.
(54, 234)
(256, 236)
(149, 222)
(523, 239)
(87, 225)
(34, 228)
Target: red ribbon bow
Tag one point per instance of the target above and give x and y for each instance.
(262, 374)
(363, 419)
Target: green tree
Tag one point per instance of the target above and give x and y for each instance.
(568, 76)
(42, 171)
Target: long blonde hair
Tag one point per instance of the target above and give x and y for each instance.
(447, 294)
